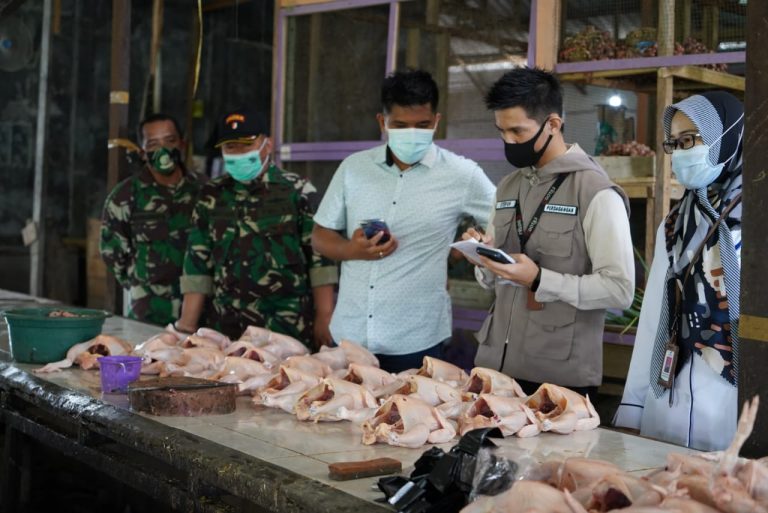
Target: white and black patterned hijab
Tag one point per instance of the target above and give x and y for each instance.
(710, 302)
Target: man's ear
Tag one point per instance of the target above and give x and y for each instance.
(556, 124)
(382, 122)
(268, 145)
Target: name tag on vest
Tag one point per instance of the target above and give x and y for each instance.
(500, 205)
(568, 210)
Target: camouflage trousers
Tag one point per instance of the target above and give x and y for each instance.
(288, 315)
(154, 304)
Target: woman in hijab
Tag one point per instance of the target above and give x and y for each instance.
(682, 380)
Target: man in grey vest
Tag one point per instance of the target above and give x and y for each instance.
(567, 227)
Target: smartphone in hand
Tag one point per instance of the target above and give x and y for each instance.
(496, 255)
(373, 226)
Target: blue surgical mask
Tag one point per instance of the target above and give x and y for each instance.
(410, 144)
(692, 167)
(245, 166)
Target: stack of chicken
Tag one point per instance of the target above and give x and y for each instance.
(703, 483)
(431, 404)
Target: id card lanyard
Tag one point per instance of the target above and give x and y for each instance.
(672, 351)
(525, 234)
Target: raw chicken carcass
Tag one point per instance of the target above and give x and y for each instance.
(523, 497)
(162, 340)
(285, 388)
(86, 354)
(372, 378)
(442, 371)
(199, 362)
(572, 473)
(561, 410)
(250, 351)
(510, 414)
(408, 422)
(488, 381)
(621, 490)
(334, 399)
(309, 365)
(431, 391)
(199, 341)
(221, 339)
(358, 354)
(281, 345)
(334, 357)
(237, 369)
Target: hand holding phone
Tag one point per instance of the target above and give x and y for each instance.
(373, 226)
(496, 255)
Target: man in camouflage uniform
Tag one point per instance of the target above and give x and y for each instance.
(146, 221)
(250, 246)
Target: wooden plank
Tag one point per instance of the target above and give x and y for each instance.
(592, 75)
(294, 3)
(710, 77)
(119, 84)
(754, 301)
(662, 190)
(547, 33)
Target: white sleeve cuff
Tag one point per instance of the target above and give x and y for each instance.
(628, 416)
(550, 286)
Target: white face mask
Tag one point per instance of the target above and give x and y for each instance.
(692, 167)
(410, 144)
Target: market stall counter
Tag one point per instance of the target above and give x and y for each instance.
(255, 459)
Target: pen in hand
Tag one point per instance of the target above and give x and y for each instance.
(479, 229)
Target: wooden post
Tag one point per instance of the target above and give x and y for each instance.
(753, 335)
(37, 248)
(547, 33)
(646, 13)
(119, 98)
(442, 58)
(711, 25)
(664, 88)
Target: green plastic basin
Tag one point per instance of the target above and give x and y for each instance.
(36, 338)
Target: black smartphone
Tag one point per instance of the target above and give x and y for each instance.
(373, 226)
(495, 255)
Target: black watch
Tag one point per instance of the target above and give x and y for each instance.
(536, 281)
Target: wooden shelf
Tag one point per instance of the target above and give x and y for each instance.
(695, 77)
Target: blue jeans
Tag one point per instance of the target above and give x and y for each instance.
(401, 362)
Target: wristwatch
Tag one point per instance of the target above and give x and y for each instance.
(536, 281)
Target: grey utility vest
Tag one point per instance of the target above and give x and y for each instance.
(559, 344)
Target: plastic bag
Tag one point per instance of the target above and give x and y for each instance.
(493, 474)
(443, 482)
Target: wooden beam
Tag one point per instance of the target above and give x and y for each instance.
(215, 5)
(662, 188)
(119, 85)
(39, 199)
(708, 76)
(547, 33)
(641, 123)
(753, 349)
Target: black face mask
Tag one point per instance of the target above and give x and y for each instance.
(522, 154)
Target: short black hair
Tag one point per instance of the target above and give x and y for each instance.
(408, 88)
(537, 91)
(157, 116)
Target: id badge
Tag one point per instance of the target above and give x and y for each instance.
(531, 303)
(667, 374)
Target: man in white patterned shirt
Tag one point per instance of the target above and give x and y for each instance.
(392, 295)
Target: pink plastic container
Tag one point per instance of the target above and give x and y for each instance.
(118, 371)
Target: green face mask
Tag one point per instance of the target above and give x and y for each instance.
(246, 166)
(164, 160)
